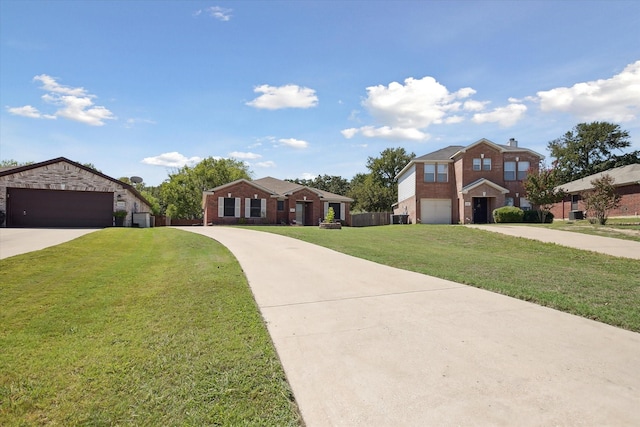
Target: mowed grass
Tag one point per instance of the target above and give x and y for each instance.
(152, 327)
(591, 285)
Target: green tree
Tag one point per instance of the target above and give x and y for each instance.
(601, 199)
(541, 188)
(590, 148)
(388, 165)
(331, 183)
(11, 163)
(181, 194)
(377, 191)
(369, 195)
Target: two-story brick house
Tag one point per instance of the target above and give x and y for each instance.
(271, 201)
(464, 184)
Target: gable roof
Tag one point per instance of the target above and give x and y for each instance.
(279, 188)
(448, 153)
(623, 175)
(246, 181)
(18, 169)
(481, 181)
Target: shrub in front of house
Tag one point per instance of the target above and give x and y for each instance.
(534, 216)
(508, 214)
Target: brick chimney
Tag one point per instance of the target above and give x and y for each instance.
(512, 142)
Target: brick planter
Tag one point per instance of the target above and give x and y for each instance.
(331, 225)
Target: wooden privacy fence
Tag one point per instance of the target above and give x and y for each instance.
(370, 219)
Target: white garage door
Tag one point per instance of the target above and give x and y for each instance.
(435, 211)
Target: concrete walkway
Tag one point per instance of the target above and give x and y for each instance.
(367, 345)
(16, 241)
(587, 242)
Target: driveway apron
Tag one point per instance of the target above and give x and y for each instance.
(363, 344)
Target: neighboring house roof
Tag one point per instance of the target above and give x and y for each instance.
(247, 181)
(481, 181)
(279, 188)
(18, 169)
(623, 175)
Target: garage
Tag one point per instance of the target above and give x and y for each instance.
(63, 193)
(435, 211)
(56, 208)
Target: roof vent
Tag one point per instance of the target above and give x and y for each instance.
(512, 142)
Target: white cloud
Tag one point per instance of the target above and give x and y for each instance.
(349, 133)
(295, 143)
(472, 105)
(172, 160)
(74, 104)
(505, 116)
(288, 96)
(267, 164)
(245, 156)
(308, 175)
(217, 12)
(29, 111)
(616, 99)
(397, 133)
(403, 111)
(416, 104)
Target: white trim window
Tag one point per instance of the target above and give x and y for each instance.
(255, 208)
(523, 170)
(509, 171)
(228, 207)
(477, 164)
(436, 172)
(525, 204)
(443, 172)
(486, 164)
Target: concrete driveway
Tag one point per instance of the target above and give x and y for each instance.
(587, 242)
(368, 345)
(16, 241)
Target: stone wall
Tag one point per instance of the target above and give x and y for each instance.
(64, 176)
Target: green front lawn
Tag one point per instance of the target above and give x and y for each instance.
(152, 327)
(595, 286)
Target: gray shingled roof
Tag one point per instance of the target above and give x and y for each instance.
(441, 154)
(285, 188)
(623, 175)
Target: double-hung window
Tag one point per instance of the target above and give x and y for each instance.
(430, 173)
(255, 210)
(523, 168)
(229, 206)
(486, 164)
(477, 164)
(438, 172)
(443, 172)
(509, 171)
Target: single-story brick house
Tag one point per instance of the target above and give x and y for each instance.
(271, 201)
(464, 184)
(626, 179)
(63, 193)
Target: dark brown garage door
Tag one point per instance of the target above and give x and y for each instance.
(57, 208)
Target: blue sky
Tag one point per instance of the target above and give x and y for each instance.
(302, 88)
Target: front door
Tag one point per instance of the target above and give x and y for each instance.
(300, 213)
(480, 210)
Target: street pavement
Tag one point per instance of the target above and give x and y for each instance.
(363, 344)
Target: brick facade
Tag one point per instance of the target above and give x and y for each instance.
(64, 175)
(492, 189)
(629, 204)
(302, 206)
